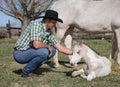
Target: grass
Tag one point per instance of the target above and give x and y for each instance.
(53, 77)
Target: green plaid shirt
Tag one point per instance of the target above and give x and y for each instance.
(35, 31)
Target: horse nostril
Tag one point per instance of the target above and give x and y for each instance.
(71, 64)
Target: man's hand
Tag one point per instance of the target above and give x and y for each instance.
(63, 49)
(50, 51)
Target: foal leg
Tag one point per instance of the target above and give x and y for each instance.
(92, 71)
(91, 76)
(79, 72)
(82, 72)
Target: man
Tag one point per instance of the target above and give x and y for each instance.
(37, 44)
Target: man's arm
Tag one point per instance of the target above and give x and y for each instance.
(63, 49)
(38, 44)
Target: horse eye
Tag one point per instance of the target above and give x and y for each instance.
(78, 52)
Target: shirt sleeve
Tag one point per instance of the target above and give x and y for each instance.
(35, 31)
(53, 40)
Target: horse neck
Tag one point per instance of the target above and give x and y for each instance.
(61, 29)
(88, 54)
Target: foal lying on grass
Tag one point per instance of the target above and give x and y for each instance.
(95, 65)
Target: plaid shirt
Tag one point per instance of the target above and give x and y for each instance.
(35, 31)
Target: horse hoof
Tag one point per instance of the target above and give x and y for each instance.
(56, 66)
(69, 73)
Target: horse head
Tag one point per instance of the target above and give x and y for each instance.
(76, 57)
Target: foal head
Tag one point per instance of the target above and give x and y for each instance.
(76, 57)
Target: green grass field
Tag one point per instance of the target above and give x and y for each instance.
(54, 77)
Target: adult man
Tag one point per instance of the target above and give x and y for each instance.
(37, 44)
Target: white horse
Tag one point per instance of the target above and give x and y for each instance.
(96, 65)
(90, 16)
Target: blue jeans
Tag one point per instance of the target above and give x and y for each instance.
(33, 57)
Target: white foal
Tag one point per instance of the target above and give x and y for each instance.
(96, 65)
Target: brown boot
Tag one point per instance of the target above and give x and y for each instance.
(33, 75)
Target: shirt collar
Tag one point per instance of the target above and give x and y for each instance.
(44, 27)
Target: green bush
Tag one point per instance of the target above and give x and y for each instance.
(3, 33)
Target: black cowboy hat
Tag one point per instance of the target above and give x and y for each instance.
(52, 15)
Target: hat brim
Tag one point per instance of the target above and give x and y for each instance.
(58, 19)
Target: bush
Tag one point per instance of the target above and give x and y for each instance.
(3, 33)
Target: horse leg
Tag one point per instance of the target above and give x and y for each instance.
(83, 74)
(59, 33)
(68, 42)
(91, 71)
(79, 72)
(55, 60)
(114, 46)
(91, 76)
(117, 31)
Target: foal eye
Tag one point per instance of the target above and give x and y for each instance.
(78, 52)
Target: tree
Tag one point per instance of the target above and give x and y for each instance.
(24, 10)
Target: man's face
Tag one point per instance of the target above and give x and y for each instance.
(50, 23)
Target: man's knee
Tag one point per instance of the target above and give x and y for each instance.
(43, 52)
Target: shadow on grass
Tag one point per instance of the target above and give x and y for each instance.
(19, 71)
(38, 71)
(63, 63)
(50, 69)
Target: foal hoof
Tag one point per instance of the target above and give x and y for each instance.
(57, 65)
(70, 72)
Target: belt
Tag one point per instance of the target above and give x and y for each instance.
(15, 48)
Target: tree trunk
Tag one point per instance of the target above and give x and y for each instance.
(24, 23)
